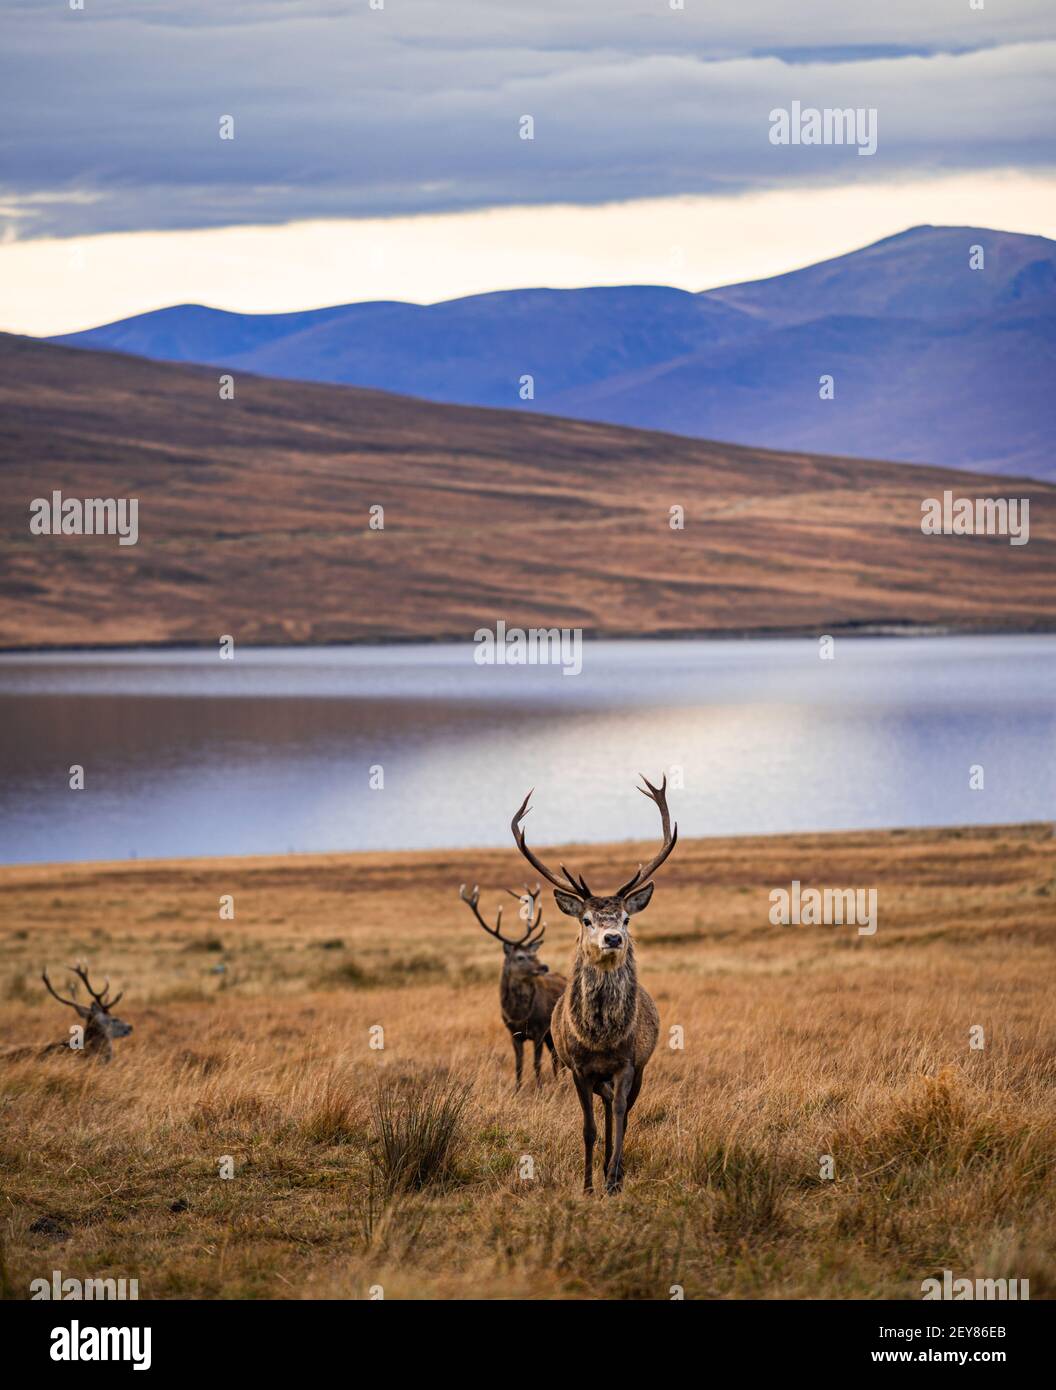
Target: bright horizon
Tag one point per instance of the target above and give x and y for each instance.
(62, 285)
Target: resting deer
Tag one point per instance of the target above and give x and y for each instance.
(605, 1025)
(527, 990)
(100, 1025)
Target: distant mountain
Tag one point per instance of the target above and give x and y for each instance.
(923, 273)
(254, 519)
(932, 361)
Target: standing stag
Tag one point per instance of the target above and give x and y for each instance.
(100, 1025)
(527, 990)
(605, 1025)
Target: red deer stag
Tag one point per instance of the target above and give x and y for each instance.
(527, 990)
(100, 1025)
(605, 1025)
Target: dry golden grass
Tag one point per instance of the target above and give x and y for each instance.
(798, 1043)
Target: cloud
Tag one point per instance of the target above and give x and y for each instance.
(113, 113)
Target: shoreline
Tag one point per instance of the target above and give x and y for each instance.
(893, 629)
(599, 850)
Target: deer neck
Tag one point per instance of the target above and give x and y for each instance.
(516, 995)
(603, 1003)
(97, 1043)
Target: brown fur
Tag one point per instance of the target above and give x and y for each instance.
(100, 1026)
(605, 1026)
(527, 1005)
(527, 990)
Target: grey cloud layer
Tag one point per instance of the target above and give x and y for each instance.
(112, 113)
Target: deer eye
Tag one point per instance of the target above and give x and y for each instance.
(586, 921)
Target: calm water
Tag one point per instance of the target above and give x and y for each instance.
(185, 754)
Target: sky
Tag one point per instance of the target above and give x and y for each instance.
(377, 151)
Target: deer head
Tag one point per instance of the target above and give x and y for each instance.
(100, 1025)
(604, 936)
(521, 956)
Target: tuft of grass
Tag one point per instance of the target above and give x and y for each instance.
(350, 973)
(418, 1122)
(750, 1188)
(335, 1117)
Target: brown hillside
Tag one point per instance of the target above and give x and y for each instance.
(253, 518)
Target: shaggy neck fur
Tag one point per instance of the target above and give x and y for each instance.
(516, 996)
(602, 1003)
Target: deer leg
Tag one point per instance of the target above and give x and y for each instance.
(636, 1086)
(553, 1053)
(586, 1100)
(518, 1059)
(623, 1083)
(606, 1097)
(538, 1058)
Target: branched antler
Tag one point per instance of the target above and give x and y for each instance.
(644, 872)
(569, 883)
(100, 998)
(54, 993)
(472, 899)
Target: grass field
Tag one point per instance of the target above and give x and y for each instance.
(798, 1043)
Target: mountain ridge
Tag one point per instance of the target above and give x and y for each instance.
(957, 371)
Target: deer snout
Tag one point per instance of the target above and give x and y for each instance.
(613, 939)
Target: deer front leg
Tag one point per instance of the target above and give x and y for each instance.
(537, 1044)
(518, 1059)
(586, 1100)
(553, 1054)
(621, 1087)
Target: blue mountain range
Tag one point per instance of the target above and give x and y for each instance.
(940, 342)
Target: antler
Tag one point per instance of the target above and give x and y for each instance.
(55, 995)
(659, 795)
(533, 895)
(100, 999)
(472, 899)
(569, 884)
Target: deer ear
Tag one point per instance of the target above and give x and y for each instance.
(568, 903)
(638, 900)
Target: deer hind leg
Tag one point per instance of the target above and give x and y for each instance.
(538, 1058)
(636, 1086)
(623, 1084)
(518, 1059)
(586, 1100)
(606, 1097)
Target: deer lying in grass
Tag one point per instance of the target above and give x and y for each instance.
(605, 1025)
(100, 1025)
(527, 990)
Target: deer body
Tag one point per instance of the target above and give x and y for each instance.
(605, 1021)
(527, 1003)
(605, 1026)
(527, 990)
